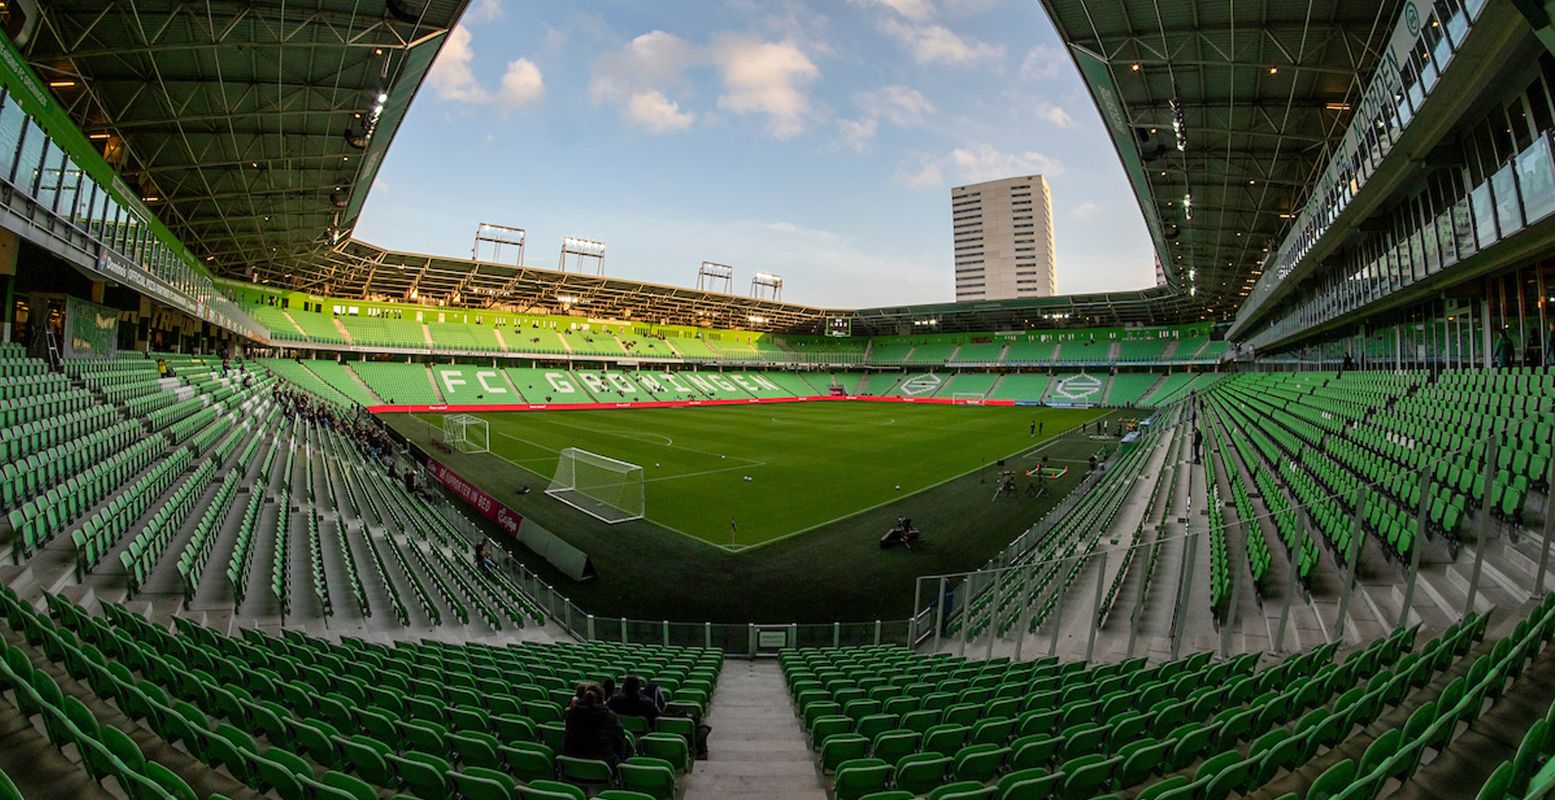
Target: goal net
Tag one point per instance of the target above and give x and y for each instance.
(467, 433)
(599, 486)
(967, 398)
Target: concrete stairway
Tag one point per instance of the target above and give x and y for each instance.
(757, 748)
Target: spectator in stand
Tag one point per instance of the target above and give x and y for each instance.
(632, 701)
(592, 730)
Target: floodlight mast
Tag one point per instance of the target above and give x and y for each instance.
(766, 286)
(715, 277)
(584, 252)
(495, 238)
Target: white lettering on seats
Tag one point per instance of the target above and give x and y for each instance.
(483, 377)
(559, 382)
(621, 382)
(594, 383)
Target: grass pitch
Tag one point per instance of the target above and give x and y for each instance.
(775, 470)
(827, 470)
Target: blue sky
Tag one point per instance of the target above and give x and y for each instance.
(815, 140)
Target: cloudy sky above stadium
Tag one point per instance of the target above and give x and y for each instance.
(815, 140)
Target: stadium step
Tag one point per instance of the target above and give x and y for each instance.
(357, 379)
(1461, 769)
(39, 770)
(201, 778)
(340, 327)
(295, 326)
(758, 749)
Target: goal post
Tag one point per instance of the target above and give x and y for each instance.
(605, 488)
(967, 398)
(467, 433)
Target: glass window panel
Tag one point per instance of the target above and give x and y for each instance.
(113, 227)
(11, 121)
(1509, 212)
(1463, 228)
(1536, 179)
(69, 184)
(50, 166)
(1445, 239)
(29, 158)
(1484, 216)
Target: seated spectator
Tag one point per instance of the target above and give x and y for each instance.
(592, 730)
(631, 701)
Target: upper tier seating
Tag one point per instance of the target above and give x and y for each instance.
(385, 331)
(1152, 349)
(317, 325)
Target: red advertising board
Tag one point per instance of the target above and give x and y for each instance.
(490, 507)
(472, 407)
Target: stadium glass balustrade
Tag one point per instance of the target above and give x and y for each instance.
(1393, 98)
(1518, 194)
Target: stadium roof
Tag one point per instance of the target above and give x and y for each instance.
(1264, 90)
(358, 270)
(254, 130)
(235, 117)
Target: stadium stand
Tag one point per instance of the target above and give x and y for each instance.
(967, 383)
(339, 378)
(1030, 351)
(1128, 389)
(975, 351)
(692, 348)
(1020, 386)
(463, 335)
(317, 326)
(1088, 351)
(397, 382)
(385, 330)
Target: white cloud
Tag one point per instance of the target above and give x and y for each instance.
(635, 78)
(915, 10)
(899, 105)
(483, 11)
(937, 44)
(858, 133)
(451, 77)
(655, 113)
(1085, 211)
(983, 162)
(765, 78)
(967, 8)
(654, 60)
(1041, 63)
(927, 177)
(980, 162)
(522, 84)
(902, 105)
(1055, 114)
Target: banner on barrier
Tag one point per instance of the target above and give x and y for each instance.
(476, 407)
(490, 507)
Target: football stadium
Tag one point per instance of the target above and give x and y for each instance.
(300, 502)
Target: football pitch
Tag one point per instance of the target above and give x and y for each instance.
(740, 477)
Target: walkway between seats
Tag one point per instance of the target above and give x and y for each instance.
(757, 749)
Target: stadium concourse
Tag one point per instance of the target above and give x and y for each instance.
(1276, 527)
